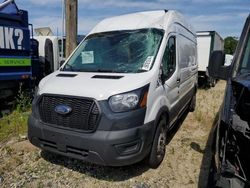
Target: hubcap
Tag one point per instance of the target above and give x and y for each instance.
(161, 144)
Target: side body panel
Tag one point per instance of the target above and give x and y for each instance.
(42, 51)
(178, 90)
(15, 60)
(187, 53)
(204, 45)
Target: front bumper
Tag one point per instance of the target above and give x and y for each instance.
(111, 148)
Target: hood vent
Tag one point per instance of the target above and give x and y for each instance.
(107, 77)
(66, 75)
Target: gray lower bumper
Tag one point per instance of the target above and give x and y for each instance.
(112, 148)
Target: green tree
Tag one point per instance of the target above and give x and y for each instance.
(230, 44)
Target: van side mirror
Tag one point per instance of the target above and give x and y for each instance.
(216, 68)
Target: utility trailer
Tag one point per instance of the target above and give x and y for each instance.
(207, 42)
(18, 53)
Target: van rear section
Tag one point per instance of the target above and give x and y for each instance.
(207, 42)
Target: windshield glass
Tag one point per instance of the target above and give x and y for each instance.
(245, 64)
(119, 51)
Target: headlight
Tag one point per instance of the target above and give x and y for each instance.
(129, 101)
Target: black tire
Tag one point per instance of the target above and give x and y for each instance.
(158, 149)
(192, 104)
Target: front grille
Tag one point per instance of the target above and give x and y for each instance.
(84, 114)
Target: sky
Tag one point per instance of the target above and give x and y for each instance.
(227, 17)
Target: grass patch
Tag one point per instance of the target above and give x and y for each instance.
(13, 124)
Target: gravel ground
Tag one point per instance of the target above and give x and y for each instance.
(185, 165)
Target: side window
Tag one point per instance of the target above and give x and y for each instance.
(169, 58)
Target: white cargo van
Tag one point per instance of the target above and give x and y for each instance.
(207, 42)
(120, 92)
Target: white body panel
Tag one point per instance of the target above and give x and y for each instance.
(169, 95)
(149, 19)
(56, 54)
(228, 59)
(206, 43)
(84, 85)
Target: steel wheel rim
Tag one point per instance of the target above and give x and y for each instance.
(161, 144)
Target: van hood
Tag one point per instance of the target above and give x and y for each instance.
(99, 86)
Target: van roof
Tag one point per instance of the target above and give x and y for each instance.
(160, 19)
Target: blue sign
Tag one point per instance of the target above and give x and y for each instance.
(12, 38)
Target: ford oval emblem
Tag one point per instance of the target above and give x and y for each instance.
(63, 109)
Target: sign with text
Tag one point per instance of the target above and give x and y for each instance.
(12, 38)
(12, 62)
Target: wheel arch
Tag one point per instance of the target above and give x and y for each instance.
(163, 112)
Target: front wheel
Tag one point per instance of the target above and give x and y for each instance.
(158, 149)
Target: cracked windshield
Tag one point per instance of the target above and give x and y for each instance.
(119, 51)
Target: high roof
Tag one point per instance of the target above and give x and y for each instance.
(149, 19)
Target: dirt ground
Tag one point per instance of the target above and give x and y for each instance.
(185, 165)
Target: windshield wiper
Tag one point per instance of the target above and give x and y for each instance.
(107, 70)
(141, 70)
(69, 68)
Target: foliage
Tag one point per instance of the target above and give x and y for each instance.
(230, 44)
(23, 100)
(14, 124)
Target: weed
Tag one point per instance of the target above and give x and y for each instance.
(15, 124)
(23, 100)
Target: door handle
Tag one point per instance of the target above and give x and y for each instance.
(178, 80)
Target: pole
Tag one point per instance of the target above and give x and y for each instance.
(63, 29)
(71, 26)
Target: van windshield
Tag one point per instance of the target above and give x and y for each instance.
(130, 51)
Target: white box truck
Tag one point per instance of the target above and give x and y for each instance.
(119, 93)
(207, 42)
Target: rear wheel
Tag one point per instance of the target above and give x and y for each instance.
(210, 82)
(192, 105)
(213, 82)
(158, 149)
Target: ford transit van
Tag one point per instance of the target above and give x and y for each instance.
(115, 98)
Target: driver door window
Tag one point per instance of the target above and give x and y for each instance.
(169, 58)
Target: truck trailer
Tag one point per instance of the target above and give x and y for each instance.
(207, 42)
(18, 52)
